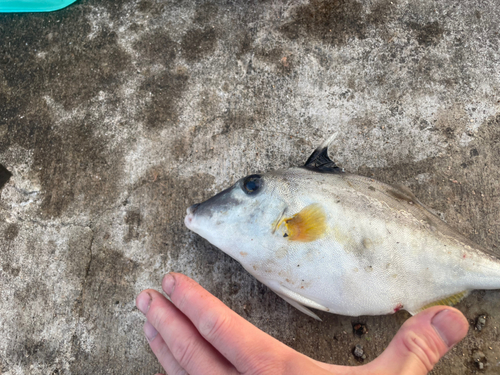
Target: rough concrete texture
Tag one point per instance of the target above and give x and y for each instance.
(117, 115)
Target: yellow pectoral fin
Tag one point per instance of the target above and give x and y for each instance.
(449, 301)
(307, 225)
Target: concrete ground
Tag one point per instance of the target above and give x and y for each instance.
(115, 115)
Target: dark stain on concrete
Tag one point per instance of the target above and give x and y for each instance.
(205, 13)
(37, 351)
(13, 271)
(245, 44)
(28, 349)
(164, 90)
(11, 232)
(198, 43)
(335, 22)
(5, 175)
(60, 62)
(133, 220)
(115, 8)
(72, 165)
(428, 34)
(83, 72)
(47, 59)
(380, 12)
(70, 161)
(144, 6)
(157, 47)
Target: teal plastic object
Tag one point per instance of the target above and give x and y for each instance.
(15, 6)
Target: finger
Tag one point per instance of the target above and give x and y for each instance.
(421, 342)
(243, 344)
(161, 351)
(188, 348)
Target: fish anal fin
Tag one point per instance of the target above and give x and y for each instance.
(300, 307)
(447, 301)
(307, 225)
(296, 300)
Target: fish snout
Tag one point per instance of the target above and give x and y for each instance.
(202, 214)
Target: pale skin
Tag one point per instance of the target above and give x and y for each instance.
(195, 333)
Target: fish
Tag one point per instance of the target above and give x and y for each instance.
(325, 239)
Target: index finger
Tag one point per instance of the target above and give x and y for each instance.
(243, 344)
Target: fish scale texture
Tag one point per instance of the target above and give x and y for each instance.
(115, 116)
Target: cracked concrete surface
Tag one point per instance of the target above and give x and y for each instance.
(117, 115)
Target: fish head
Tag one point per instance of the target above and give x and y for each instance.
(240, 220)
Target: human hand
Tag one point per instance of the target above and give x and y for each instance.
(197, 334)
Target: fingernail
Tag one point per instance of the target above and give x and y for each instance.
(150, 331)
(168, 284)
(450, 326)
(143, 302)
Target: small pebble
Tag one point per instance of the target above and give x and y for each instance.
(479, 358)
(480, 322)
(358, 352)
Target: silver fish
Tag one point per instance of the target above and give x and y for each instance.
(343, 243)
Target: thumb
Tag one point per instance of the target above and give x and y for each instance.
(422, 341)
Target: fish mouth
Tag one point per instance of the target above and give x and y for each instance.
(188, 220)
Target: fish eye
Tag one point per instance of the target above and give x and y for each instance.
(252, 183)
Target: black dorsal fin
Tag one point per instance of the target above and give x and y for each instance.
(319, 160)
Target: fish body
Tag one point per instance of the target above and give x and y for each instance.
(342, 243)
